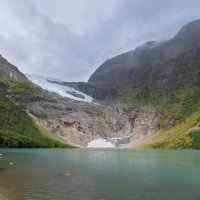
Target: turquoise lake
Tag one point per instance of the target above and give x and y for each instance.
(55, 174)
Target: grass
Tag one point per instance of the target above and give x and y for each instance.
(18, 130)
(177, 137)
(19, 88)
(191, 141)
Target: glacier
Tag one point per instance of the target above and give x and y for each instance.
(62, 90)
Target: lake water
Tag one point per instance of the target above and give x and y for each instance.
(38, 174)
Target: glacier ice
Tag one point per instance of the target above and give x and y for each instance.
(57, 88)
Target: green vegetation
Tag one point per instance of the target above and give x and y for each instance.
(165, 76)
(185, 135)
(19, 88)
(178, 99)
(18, 130)
(179, 106)
(190, 141)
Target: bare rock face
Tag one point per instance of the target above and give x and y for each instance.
(78, 123)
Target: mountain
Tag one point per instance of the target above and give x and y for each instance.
(150, 69)
(156, 65)
(31, 116)
(165, 75)
(145, 98)
(17, 128)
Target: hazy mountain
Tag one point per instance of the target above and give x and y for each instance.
(155, 65)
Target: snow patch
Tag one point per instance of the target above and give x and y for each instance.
(110, 142)
(100, 143)
(62, 90)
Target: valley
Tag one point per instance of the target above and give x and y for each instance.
(145, 98)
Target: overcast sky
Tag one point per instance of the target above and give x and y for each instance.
(69, 39)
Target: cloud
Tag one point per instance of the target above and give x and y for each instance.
(69, 39)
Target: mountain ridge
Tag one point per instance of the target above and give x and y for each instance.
(151, 53)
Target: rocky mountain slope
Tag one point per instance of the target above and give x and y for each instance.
(72, 122)
(17, 129)
(165, 75)
(78, 123)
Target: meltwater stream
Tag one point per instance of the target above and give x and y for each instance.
(54, 174)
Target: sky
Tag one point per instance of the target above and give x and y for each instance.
(70, 39)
